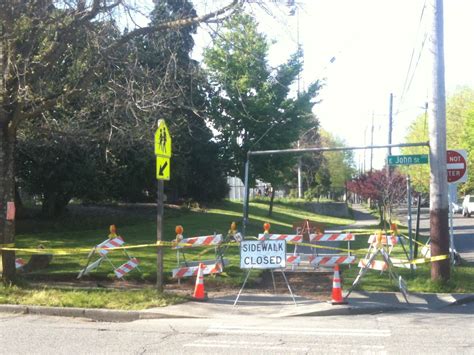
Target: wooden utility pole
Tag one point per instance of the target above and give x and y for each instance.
(439, 226)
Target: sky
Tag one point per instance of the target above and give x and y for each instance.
(378, 50)
(373, 42)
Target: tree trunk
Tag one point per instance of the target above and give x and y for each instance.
(54, 204)
(272, 197)
(7, 194)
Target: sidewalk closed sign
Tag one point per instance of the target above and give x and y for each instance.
(268, 254)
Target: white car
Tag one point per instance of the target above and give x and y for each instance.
(468, 205)
(456, 207)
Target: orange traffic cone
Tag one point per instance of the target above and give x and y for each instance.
(199, 293)
(337, 288)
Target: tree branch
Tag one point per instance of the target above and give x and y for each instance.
(171, 25)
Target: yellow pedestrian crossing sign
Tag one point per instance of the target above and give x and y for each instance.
(163, 168)
(162, 140)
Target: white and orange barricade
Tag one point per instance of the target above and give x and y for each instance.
(103, 249)
(293, 261)
(188, 271)
(332, 237)
(380, 245)
(126, 267)
(187, 268)
(302, 261)
(375, 242)
(294, 238)
(201, 241)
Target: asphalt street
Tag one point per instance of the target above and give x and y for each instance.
(463, 230)
(449, 331)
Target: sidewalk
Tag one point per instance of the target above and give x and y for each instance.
(263, 305)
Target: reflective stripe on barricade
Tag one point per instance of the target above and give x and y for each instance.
(331, 261)
(295, 238)
(187, 271)
(126, 268)
(374, 265)
(320, 260)
(426, 251)
(109, 243)
(206, 240)
(19, 263)
(331, 237)
(402, 263)
(385, 240)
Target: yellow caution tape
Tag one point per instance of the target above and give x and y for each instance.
(10, 245)
(414, 241)
(422, 260)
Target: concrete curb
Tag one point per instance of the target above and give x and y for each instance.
(108, 315)
(464, 300)
(354, 311)
(96, 314)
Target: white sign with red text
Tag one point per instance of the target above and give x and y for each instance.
(457, 166)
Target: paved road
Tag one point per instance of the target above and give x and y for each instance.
(463, 230)
(447, 332)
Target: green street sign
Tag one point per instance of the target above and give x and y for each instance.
(408, 159)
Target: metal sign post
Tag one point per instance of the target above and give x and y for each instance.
(409, 220)
(263, 255)
(163, 172)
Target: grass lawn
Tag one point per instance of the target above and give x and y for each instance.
(137, 225)
(142, 230)
(86, 227)
(418, 280)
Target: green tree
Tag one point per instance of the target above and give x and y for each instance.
(340, 164)
(152, 76)
(253, 107)
(45, 65)
(468, 139)
(458, 107)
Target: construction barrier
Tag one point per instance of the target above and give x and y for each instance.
(332, 237)
(188, 271)
(186, 268)
(126, 268)
(294, 238)
(319, 261)
(103, 249)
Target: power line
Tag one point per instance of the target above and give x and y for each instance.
(407, 81)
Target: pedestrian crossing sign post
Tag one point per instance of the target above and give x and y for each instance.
(162, 151)
(162, 140)
(162, 168)
(163, 172)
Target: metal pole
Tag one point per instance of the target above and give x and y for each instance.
(159, 234)
(390, 124)
(246, 195)
(372, 142)
(417, 230)
(409, 220)
(451, 225)
(300, 189)
(335, 149)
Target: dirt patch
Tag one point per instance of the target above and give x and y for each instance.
(312, 285)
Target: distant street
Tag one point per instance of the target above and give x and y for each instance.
(415, 333)
(463, 230)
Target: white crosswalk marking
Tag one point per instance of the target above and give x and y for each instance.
(299, 331)
(278, 346)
